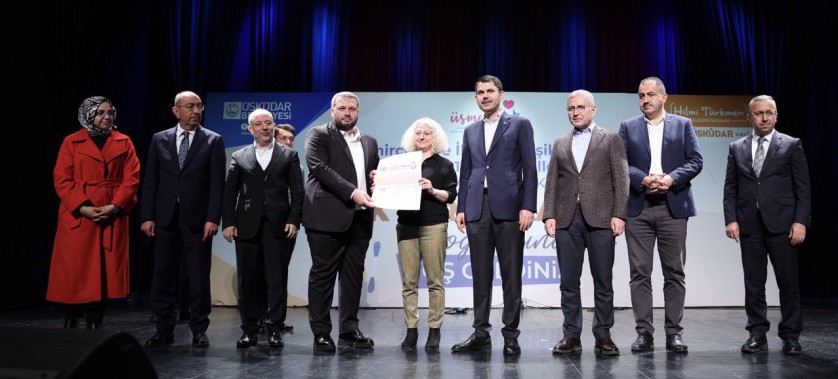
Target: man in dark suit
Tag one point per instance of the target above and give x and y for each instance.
(767, 204)
(498, 185)
(663, 157)
(338, 216)
(181, 208)
(585, 207)
(261, 217)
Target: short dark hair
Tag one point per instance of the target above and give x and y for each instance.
(287, 128)
(489, 79)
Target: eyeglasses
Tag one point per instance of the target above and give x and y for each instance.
(766, 113)
(578, 108)
(109, 113)
(191, 107)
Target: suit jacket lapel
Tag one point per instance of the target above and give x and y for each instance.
(481, 135)
(502, 125)
(669, 133)
(114, 146)
(197, 140)
(173, 147)
(368, 153)
(337, 138)
(745, 150)
(250, 153)
(643, 135)
(773, 146)
(274, 160)
(566, 144)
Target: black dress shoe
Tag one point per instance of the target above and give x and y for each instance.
(755, 344)
(791, 346)
(94, 325)
(511, 347)
(200, 339)
(644, 342)
(433, 339)
(71, 324)
(324, 343)
(476, 341)
(287, 329)
(247, 340)
(410, 338)
(568, 345)
(675, 344)
(275, 340)
(606, 346)
(159, 340)
(355, 339)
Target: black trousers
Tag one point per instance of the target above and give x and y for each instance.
(263, 259)
(262, 286)
(169, 245)
(340, 253)
(757, 248)
(484, 236)
(571, 243)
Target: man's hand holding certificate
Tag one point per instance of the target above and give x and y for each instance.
(397, 182)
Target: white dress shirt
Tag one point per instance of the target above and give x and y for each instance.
(490, 126)
(357, 151)
(179, 136)
(765, 145)
(263, 154)
(655, 143)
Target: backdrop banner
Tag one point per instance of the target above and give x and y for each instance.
(713, 270)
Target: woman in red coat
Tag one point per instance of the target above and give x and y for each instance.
(96, 178)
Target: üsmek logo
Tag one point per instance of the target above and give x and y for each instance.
(232, 110)
(509, 104)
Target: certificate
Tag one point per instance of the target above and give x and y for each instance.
(397, 182)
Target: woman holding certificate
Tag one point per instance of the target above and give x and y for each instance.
(423, 234)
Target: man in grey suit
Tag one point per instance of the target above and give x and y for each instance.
(585, 207)
(263, 218)
(767, 205)
(663, 157)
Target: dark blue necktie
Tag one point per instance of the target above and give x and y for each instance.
(184, 148)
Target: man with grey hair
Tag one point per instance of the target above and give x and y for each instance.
(585, 208)
(181, 209)
(660, 203)
(262, 218)
(767, 205)
(338, 217)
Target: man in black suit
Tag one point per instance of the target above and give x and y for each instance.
(338, 215)
(767, 206)
(258, 214)
(181, 208)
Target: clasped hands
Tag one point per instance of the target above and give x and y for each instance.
(101, 215)
(657, 183)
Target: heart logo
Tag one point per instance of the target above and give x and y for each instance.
(508, 104)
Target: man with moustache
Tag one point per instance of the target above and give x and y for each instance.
(338, 217)
(767, 204)
(261, 216)
(585, 207)
(497, 197)
(181, 209)
(663, 157)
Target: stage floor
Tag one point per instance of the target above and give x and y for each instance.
(713, 335)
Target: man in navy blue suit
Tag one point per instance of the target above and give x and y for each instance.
(767, 203)
(663, 157)
(497, 193)
(181, 209)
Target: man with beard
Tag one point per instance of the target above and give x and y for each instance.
(338, 216)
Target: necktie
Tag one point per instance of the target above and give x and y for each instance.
(184, 148)
(759, 156)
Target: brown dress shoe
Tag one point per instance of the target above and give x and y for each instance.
(606, 346)
(568, 345)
